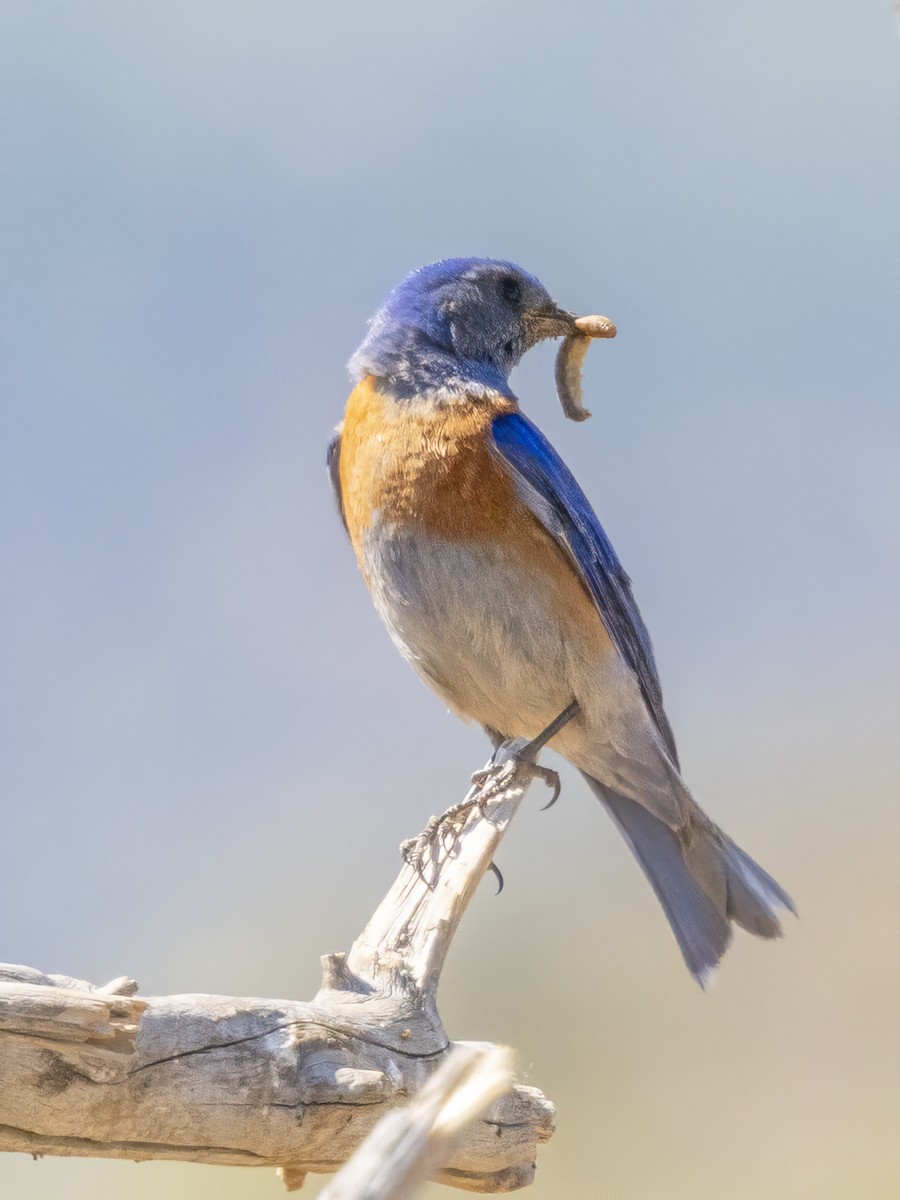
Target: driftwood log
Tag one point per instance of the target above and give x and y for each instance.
(98, 1072)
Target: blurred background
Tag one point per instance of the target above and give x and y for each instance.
(210, 749)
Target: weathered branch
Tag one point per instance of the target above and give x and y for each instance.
(409, 1144)
(96, 1072)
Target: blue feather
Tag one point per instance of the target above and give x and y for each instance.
(448, 328)
(565, 512)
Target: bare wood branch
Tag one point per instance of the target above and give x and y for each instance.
(405, 943)
(96, 1072)
(10, 973)
(408, 1145)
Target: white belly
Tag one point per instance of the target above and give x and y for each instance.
(490, 638)
(476, 627)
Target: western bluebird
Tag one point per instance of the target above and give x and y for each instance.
(498, 584)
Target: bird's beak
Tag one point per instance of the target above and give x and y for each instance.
(550, 321)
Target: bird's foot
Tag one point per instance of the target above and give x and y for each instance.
(518, 755)
(417, 850)
(512, 762)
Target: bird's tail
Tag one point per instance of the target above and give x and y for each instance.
(703, 888)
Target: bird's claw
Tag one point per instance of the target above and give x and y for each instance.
(486, 784)
(552, 780)
(441, 829)
(415, 850)
(490, 781)
(498, 776)
(511, 760)
(498, 875)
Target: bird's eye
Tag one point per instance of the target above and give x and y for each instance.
(508, 349)
(510, 289)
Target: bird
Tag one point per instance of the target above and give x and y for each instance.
(499, 585)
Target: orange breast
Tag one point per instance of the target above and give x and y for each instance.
(423, 464)
(427, 468)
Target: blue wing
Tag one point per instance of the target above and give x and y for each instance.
(549, 489)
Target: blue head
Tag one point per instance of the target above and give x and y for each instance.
(457, 325)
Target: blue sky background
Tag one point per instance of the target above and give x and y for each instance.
(209, 750)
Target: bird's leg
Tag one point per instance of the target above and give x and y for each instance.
(518, 754)
(511, 757)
